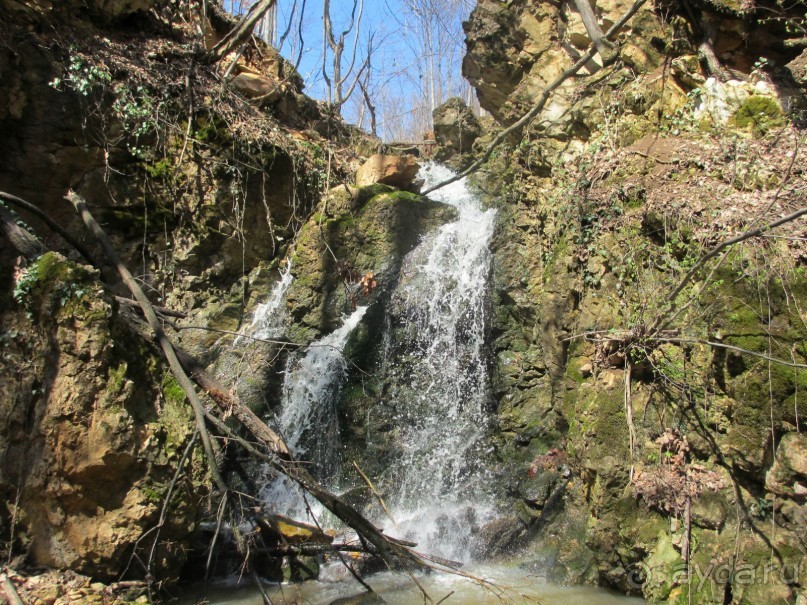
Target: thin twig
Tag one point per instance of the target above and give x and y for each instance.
(164, 510)
(376, 494)
(662, 321)
(722, 345)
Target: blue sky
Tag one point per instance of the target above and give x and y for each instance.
(400, 83)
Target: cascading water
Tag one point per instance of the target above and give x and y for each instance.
(269, 319)
(308, 419)
(439, 371)
(309, 396)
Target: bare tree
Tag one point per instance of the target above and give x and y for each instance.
(343, 79)
(432, 29)
(267, 28)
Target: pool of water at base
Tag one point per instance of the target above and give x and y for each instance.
(502, 585)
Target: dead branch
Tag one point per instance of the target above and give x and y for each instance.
(722, 345)
(705, 46)
(603, 46)
(238, 35)
(11, 591)
(543, 99)
(42, 215)
(264, 595)
(159, 334)
(388, 549)
(230, 404)
(376, 494)
(312, 550)
(164, 510)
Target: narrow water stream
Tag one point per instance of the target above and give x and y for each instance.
(437, 366)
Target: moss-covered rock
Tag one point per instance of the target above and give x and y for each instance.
(92, 470)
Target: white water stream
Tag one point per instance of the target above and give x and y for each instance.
(308, 420)
(440, 375)
(269, 318)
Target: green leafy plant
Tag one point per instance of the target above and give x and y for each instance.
(82, 77)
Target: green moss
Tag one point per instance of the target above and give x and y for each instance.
(209, 129)
(759, 114)
(557, 254)
(116, 379)
(52, 284)
(172, 392)
(370, 191)
(176, 417)
(160, 169)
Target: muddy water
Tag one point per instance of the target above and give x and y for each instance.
(503, 585)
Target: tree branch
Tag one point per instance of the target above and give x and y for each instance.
(25, 242)
(542, 100)
(722, 345)
(42, 215)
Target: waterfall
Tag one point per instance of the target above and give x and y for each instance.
(440, 377)
(308, 419)
(269, 317)
(435, 368)
(310, 392)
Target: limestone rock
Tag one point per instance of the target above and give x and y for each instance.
(397, 171)
(789, 471)
(719, 101)
(455, 125)
(94, 464)
(798, 67)
(255, 85)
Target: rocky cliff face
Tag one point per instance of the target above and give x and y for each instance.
(200, 192)
(640, 431)
(641, 440)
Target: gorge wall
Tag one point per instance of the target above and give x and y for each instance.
(635, 452)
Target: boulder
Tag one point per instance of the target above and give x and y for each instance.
(394, 170)
(254, 85)
(455, 125)
(788, 475)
